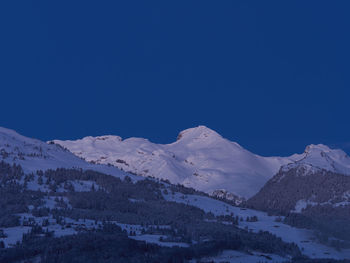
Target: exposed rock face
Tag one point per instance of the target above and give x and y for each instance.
(223, 194)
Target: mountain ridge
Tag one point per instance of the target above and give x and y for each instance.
(56, 183)
(33, 155)
(199, 158)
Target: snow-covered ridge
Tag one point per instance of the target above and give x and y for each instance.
(320, 179)
(321, 157)
(199, 158)
(202, 159)
(33, 155)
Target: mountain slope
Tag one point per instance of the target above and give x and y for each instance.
(34, 155)
(46, 206)
(313, 192)
(200, 158)
(320, 156)
(49, 209)
(322, 176)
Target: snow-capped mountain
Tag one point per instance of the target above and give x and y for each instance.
(34, 155)
(320, 156)
(200, 158)
(64, 202)
(320, 179)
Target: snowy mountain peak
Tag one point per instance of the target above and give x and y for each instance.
(103, 138)
(320, 156)
(13, 135)
(108, 137)
(312, 147)
(33, 155)
(200, 132)
(200, 158)
(317, 148)
(322, 150)
(16, 146)
(7, 131)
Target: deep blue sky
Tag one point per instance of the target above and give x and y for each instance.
(272, 75)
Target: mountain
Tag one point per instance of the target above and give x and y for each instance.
(34, 155)
(313, 192)
(322, 176)
(56, 207)
(200, 158)
(320, 156)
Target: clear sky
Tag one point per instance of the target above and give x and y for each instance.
(271, 75)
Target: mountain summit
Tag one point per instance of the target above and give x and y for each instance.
(48, 192)
(317, 185)
(199, 158)
(320, 156)
(202, 159)
(34, 155)
(200, 132)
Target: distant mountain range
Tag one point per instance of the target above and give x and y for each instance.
(63, 192)
(202, 159)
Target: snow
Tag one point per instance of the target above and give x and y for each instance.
(35, 186)
(301, 205)
(50, 202)
(155, 240)
(320, 157)
(60, 231)
(241, 257)
(35, 155)
(200, 158)
(83, 186)
(14, 234)
(302, 237)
